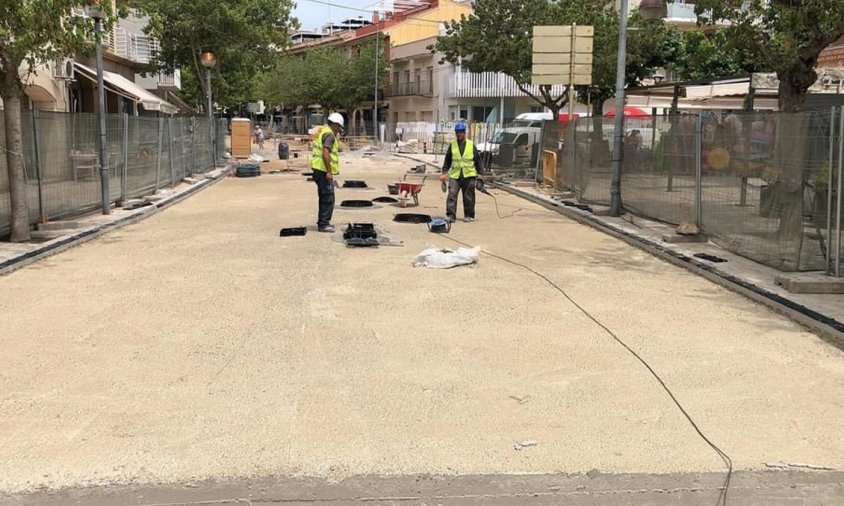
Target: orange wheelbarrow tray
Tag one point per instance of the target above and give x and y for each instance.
(407, 190)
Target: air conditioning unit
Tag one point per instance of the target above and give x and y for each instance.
(63, 69)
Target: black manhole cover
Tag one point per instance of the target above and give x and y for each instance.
(385, 200)
(357, 204)
(351, 183)
(293, 231)
(412, 218)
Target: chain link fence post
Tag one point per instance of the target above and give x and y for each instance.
(698, 171)
(839, 188)
(170, 147)
(36, 134)
(158, 157)
(193, 144)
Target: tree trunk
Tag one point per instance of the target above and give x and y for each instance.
(14, 163)
(790, 165)
(599, 152)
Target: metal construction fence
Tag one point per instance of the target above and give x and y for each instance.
(764, 185)
(61, 159)
(507, 149)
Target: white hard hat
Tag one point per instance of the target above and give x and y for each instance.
(336, 118)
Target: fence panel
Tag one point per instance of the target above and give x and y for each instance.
(658, 171)
(764, 186)
(62, 167)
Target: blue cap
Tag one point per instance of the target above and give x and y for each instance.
(460, 127)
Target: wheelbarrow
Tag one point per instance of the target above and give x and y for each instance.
(409, 190)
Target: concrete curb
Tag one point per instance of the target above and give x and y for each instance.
(830, 329)
(66, 242)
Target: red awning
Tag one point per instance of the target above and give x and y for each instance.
(629, 112)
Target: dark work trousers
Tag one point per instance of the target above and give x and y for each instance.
(467, 186)
(325, 191)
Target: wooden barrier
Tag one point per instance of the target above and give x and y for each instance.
(549, 167)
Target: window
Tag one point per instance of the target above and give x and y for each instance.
(537, 108)
(480, 114)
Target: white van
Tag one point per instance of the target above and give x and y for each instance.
(524, 132)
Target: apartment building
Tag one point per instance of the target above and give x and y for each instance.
(69, 84)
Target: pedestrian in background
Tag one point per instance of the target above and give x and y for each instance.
(259, 137)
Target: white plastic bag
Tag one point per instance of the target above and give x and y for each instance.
(436, 258)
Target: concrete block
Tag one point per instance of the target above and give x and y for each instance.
(810, 283)
(524, 184)
(62, 225)
(153, 198)
(190, 180)
(600, 210)
(45, 235)
(134, 204)
(680, 239)
(563, 195)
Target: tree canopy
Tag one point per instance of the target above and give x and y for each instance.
(333, 78)
(784, 35)
(246, 37)
(503, 28)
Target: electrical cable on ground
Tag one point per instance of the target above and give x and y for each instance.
(722, 497)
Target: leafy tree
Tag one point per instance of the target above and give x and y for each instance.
(32, 32)
(703, 56)
(507, 46)
(786, 35)
(333, 78)
(245, 36)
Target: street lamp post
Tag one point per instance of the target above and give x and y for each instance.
(650, 10)
(209, 61)
(96, 12)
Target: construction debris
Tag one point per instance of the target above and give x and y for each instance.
(521, 445)
(436, 258)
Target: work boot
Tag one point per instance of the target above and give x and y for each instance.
(468, 219)
(327, 229)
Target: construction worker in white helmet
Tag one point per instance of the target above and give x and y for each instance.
(325, 163)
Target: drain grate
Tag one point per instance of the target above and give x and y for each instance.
(385, 200)
(412, 218)
(351, 183)
(709, 258)
(356, 204)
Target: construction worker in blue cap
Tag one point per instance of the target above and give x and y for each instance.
(461, 169)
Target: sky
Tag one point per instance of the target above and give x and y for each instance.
(313, 15)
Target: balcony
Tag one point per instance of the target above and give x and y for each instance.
(138, 48)
(170, 82)
(681, 13)
(490, 85)
(413, 88)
